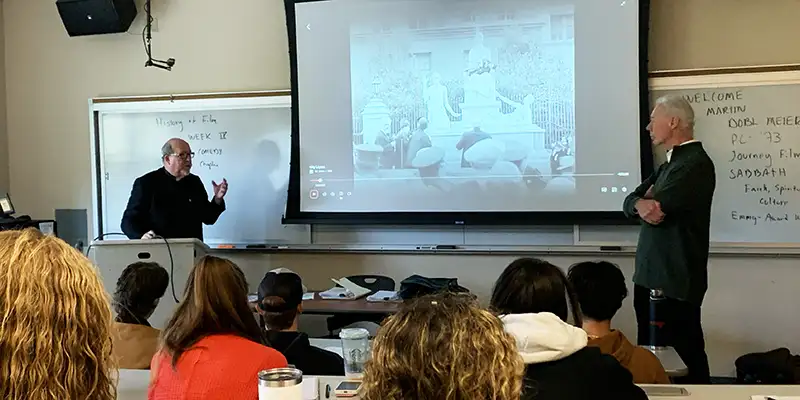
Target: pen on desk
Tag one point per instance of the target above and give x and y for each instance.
(327, 391)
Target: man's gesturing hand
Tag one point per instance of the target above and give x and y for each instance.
(219, 190)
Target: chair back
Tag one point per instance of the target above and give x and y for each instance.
(373, 282)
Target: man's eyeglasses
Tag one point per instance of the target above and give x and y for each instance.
(184, 156)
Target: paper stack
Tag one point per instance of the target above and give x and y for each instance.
(347, 291)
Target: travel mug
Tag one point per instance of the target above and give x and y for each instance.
(280, 384)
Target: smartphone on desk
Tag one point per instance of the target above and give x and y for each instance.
(665, 391)
(347, 389)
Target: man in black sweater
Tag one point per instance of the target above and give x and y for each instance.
(171, 202)
(280, 303)
(674, 205)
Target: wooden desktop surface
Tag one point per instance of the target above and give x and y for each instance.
(359, 306)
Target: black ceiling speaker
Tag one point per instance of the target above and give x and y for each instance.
(94, 17)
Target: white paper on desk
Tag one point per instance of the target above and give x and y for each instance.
(351, 287)
(383, 295)
(308, 296)
(347, 291)
(310, 388)
(337, 293)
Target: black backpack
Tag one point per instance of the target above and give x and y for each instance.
(776, 367)
(417, 286)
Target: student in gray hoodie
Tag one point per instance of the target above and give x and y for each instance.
(531, 298)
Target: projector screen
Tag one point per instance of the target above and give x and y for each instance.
(459, 106)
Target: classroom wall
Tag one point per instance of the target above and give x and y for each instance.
(50, 76)
(241, 45)
(4, 175)
(729, 33)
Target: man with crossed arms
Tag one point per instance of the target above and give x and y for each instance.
(674, 206)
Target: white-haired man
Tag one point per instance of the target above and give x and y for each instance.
(674, 205)
(171, 202)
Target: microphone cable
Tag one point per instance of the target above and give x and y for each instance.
(169, 250)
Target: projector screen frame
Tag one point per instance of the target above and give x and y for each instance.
(294, 214)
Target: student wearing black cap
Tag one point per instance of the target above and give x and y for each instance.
(280, 302)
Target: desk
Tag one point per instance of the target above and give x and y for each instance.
(728, 392)
(710, 392)
(670, 360)
(133, 386)
(359, 306)
(323, 343)
(334, 345)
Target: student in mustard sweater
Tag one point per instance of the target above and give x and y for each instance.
(600, 288)
(139, 289)
(213, 347)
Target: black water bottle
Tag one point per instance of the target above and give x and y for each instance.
(657, 339)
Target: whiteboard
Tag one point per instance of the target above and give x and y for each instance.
(126, 137)
(245, 140)
(750, 126)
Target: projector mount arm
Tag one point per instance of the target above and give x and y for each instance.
(152, 62)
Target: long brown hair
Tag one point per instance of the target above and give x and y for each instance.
(55, 322)
(443, 347)
(214, 302)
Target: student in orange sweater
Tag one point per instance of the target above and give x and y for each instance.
(212, 346)
(600, 288)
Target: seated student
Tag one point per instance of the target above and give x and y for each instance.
(280, 303)
(600, 288)
(443, 347)
(531, 297)
(139, 289)
(212, 347)
(55, 339)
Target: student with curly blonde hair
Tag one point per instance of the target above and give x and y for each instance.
(443, 347)
(55, 338)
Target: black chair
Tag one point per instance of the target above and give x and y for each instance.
(374, 283)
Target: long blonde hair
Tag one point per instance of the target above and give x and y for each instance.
(443, 347)
(55, 340)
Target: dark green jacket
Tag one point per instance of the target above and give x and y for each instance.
(673, 255)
